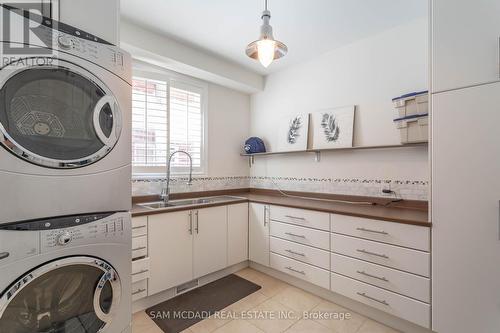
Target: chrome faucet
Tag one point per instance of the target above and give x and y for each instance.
(165, 191)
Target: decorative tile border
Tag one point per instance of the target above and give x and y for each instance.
(406, 189)
(151, 186)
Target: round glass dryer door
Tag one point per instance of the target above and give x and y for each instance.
(76, 294)
(57, 116)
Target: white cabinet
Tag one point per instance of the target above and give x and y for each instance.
(170, 250)
(259, 233)
(237, 233)
(186, 245)
(465, 207)
(210, 240)
(465, 43)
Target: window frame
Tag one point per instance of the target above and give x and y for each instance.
(147, 71)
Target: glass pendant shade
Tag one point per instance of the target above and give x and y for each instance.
(266, 49)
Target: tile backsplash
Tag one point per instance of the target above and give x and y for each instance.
(406, 189)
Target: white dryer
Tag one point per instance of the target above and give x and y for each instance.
(65, 125)
(67, 274)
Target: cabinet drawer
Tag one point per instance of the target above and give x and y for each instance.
(140, 269)
(300, 270)
(411, 236)
(307, 236)
(139, 290)
(400, 282)
(397, 305)
(139, 226)
(401, 258)
(307, 254)
(139, 247)
(302, 217)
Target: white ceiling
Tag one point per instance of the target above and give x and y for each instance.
(307, 27)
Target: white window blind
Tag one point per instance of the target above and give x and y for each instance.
(167, 116)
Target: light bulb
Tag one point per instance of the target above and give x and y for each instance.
(265, 51)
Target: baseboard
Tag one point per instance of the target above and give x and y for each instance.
(367, 311)
(144, 303)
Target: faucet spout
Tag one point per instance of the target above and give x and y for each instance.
(165, 191)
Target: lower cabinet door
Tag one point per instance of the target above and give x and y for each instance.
(210, 240)
(237, 233)
(170, 250)
(258, 226)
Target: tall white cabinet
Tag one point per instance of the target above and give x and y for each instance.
(465, 166)
(465, 43)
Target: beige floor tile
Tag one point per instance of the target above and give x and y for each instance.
(141, 322)
(371, 326)
(297, 299)
(270, 286)
(341, 319)
(309, 326)
(153, 329)
(238, 326)
(247, 303)
(209, 325)
(273, 317)
(245, 272)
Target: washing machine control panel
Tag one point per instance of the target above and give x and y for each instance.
(24, 239)
(90, 229)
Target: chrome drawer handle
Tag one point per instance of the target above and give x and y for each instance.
(139, 248)
(296, 271)
(296, 253)
(139, 227)
(294, 235)
(373, 231)
(141, 272)
(372, 276)
(4, 255)
(373, 253)
(138, 291)
(295, 217)
(373, 298)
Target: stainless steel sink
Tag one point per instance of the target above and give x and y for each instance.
(188, 202)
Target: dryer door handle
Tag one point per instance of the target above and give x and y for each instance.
(115, 118)
(110, 276)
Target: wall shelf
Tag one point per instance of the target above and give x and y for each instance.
(317, 152)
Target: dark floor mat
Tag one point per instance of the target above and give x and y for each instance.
(197, 304)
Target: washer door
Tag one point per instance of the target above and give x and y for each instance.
(75, 294)
(57, 116)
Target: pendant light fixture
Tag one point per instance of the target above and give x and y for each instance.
(266, 49)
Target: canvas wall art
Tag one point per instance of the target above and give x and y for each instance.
(333, 128)
(293, 133)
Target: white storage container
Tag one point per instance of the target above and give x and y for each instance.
(414, 128)
(412, 104)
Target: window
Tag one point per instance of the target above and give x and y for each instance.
(168, 114)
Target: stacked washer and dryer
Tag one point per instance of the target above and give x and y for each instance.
(65, 166)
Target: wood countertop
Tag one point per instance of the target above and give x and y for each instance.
(407, 212)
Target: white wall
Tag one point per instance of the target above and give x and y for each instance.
(228, 128)
(166, 52)
(367, 73)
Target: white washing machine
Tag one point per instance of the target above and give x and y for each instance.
(65, 124)
(66, 274)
